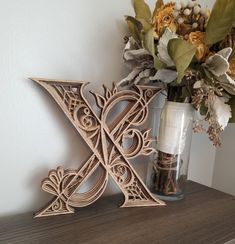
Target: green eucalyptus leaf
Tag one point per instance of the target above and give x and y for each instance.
(146, 25)
(149, 41)
(135, 28)
(220, 21)
(182, 53)
(232, 104)
(134, 31)
(158, 64)
(136, 22)
(158, 5)
(142, 10)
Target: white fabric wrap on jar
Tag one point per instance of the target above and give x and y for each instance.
(174, 123)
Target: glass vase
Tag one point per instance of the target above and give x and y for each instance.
(172, 127)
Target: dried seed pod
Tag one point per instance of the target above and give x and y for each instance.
(213, 132)
(197, 98)
(184, 3)
(195, 25)
(196, 9)
(187, 12)
(180, 21)
(198, 127)
(178, 6)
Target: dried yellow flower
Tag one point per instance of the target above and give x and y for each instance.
(197, 38)
(232, 68)
(164, 18)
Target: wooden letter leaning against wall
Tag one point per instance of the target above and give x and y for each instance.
(105, 139)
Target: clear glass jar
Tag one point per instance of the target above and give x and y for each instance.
(168, 169)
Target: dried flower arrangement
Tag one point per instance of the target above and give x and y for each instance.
(188, 50)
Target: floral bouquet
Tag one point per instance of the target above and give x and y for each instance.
(190, 52)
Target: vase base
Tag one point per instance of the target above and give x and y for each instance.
(170, 198)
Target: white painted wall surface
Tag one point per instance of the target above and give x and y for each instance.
(224, 170)
(202, 158)
(74, 39)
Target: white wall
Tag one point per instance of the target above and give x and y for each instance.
(202, 158)
(224, 170)
(74, 39)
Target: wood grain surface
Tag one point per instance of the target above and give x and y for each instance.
(205, 216)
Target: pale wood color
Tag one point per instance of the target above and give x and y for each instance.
(104, 134)
(205, 216)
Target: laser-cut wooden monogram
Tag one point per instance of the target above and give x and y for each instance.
(105, 139)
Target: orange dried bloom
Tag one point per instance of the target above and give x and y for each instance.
(164, 18)
(197, 38)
